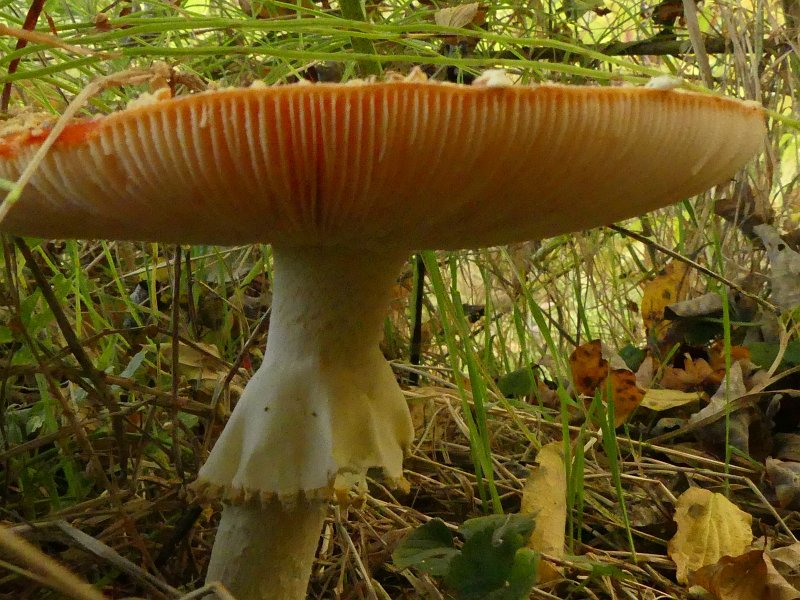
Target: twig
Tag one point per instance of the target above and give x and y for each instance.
(176, 315)
(110, 555)
(99, 385)
(215, 586)
(190, 294)
(705, 270)
(56, 576)
(182, 527)
(262, 324)
(103, 392)
(371, 594)
(696, 37)
(30, 22)
(415, 347)
(739, 403)
(77, 430)
(234, 368)
(46, 39)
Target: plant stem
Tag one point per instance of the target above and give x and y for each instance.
(353, 9)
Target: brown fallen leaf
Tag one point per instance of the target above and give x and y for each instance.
(741, 577)
(626, 394)
(545, 495)
(596, 367)
(731, 388)
(589, 368)
(785, 266)
(785, 478)
(739, 354)
(745, 209)
(787, 447)
(709, 527)
(786, 561)
(694, 376)
(747, 428)
(667, 12)
(750, 576)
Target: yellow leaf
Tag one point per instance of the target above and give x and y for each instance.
(709, 527)
(457, 16)
(659, 400)
(670, 286)
(198, 362)
(198, 355)
(545, 496)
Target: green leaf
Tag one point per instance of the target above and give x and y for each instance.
(189, 421)
(632, 356)
(134, 364)
(598, 569)
(523, 577)
(34, 423)
(487, 560)
(428, 548)
(764, 354)
(6, 337)
(521, 524)
(575, 9)
(517, 384)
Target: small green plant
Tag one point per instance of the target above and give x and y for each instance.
(491, 564)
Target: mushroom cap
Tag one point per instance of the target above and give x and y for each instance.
(411, 164)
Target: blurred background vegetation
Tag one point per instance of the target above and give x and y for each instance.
(102, 424)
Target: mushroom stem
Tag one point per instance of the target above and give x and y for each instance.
(266, 552)
(323, 408)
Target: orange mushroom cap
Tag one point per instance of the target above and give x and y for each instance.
(421, 164)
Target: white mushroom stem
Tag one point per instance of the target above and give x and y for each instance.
(266, 552)
(322, 409)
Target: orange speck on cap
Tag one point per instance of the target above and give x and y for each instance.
(74, 134)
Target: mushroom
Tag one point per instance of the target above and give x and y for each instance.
(345, 181)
